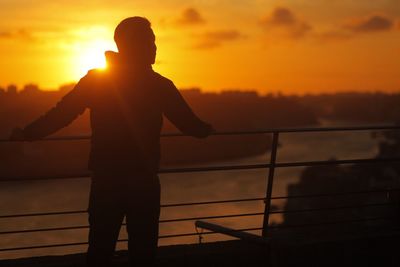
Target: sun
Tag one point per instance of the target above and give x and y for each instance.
(91, 55)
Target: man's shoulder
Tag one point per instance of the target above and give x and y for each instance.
(95, 74)
(162, 79)
(94, 78)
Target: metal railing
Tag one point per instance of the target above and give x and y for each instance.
(272, 165)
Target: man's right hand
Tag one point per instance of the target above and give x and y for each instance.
(205, 131)
(17, 134)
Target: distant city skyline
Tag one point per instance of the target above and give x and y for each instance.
(289, 46)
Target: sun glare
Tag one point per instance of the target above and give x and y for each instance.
(91, 55)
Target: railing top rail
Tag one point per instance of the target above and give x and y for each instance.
(264, 131)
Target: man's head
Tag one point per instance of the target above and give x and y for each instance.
(135, 40)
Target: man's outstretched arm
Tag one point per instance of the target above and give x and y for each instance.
(67, 109)
(181, 115)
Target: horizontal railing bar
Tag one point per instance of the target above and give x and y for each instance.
(124, 224)
(299, 130)
(162, 206)
(216, 168)
(212, 202)
(337, 194)
(214, 217)
(120, 240)
(44, 178)
(42, 214)
(226, 168)
(334, 162)
(52, 138)
(44, 230)
(171, 170)
(265, 131)
(335, 208)
(44, 246)
(333, 222)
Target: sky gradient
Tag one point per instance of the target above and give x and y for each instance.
(288, 46)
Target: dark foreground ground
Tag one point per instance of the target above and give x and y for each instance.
(365, 251)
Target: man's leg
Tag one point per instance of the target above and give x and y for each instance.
(142, 222)
(105, 218)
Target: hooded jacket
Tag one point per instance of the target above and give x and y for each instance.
(126, 104)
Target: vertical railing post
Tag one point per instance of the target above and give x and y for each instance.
(270, 183)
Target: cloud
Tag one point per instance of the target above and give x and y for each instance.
(21, 34)
(375, 23)
(5, 35)
(283, 20)
(281, 17)
(371, 24)
(190, 16)
(215, 39)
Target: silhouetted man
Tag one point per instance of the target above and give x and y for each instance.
(126, 105)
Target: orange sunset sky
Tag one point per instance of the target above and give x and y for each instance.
(291, 46)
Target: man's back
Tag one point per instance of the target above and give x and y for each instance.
(126, 117)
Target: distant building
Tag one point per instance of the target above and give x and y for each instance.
(12, 90)
(30, 89)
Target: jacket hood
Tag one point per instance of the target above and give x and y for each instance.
(111, 58)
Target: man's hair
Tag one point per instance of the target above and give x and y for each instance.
(133, 30)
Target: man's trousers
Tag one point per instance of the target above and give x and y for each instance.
(134, 195)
